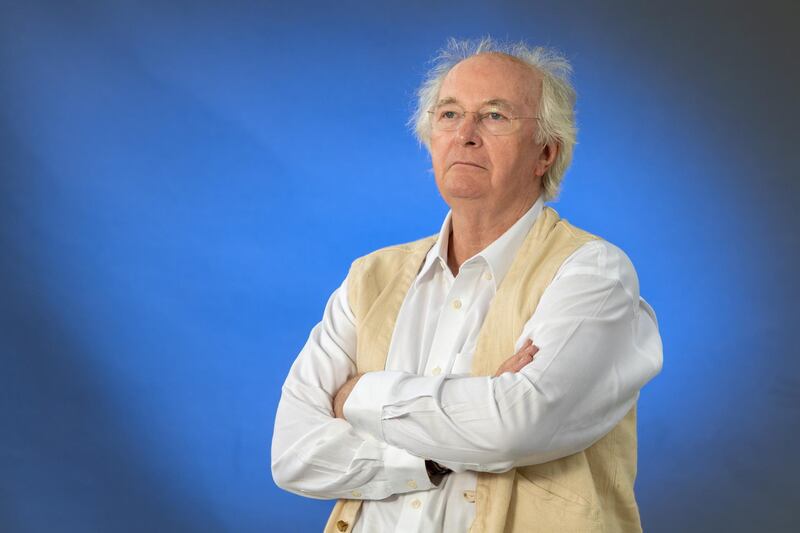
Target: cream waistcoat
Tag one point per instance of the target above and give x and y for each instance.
(590, 491)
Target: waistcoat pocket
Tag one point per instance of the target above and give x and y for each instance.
(542, 504)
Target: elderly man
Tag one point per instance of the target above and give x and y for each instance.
(483, 379)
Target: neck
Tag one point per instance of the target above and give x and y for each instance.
(472, 230)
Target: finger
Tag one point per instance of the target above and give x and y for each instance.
(514, 364)
(521, 362)
(518, 360)
(525, 359)
(525, 353)
(522, 348)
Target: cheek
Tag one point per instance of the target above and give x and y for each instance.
(438, 153)
(500, 156)
(520, 157)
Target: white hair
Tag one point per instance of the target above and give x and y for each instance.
(556, 104)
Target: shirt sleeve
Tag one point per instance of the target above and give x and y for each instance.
(598, 346)
(317, 455)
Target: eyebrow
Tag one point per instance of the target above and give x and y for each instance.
(495, 102)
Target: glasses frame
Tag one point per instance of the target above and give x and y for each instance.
(479, 123)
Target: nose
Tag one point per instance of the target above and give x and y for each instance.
(467, 132)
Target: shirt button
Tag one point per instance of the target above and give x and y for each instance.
(456, 304)
(341, 525)
(487, 276)
(436, 371)
(356, 494)
(416, 504)
(412, 484)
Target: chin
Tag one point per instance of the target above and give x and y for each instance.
(462, 196)
(464, 186)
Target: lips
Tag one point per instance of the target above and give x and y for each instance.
(469, 163)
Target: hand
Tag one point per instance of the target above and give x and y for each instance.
(519, 359)
(342, 394)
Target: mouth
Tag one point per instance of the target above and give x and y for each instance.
(468, 163)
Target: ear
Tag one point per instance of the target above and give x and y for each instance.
(546, 158)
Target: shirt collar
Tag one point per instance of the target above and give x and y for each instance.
(498, 255)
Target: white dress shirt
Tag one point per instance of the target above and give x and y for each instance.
(598, 345)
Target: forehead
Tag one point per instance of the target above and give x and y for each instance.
(491, 77)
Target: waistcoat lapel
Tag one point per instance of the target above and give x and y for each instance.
(376, 297)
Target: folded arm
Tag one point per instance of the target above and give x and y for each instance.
(598, 345)
(317, 455)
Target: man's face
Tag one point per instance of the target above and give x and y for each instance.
(476, 170)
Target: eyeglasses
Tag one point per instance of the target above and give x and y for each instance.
(450, 117)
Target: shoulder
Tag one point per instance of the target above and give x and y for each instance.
(396, 254)
(601, 258)
(372, 273)
(562, 225)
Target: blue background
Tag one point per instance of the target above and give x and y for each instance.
(182, 186)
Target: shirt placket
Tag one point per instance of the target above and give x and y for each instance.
(412, 512)
(455, 303)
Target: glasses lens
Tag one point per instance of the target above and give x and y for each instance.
(447, 117)
(496, 123)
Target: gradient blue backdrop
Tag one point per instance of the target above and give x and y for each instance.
(183, 184)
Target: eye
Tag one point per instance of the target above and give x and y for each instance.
(448, 115)
(495, 116)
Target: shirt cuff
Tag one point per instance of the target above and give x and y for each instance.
(405, 472)
(364, 406)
